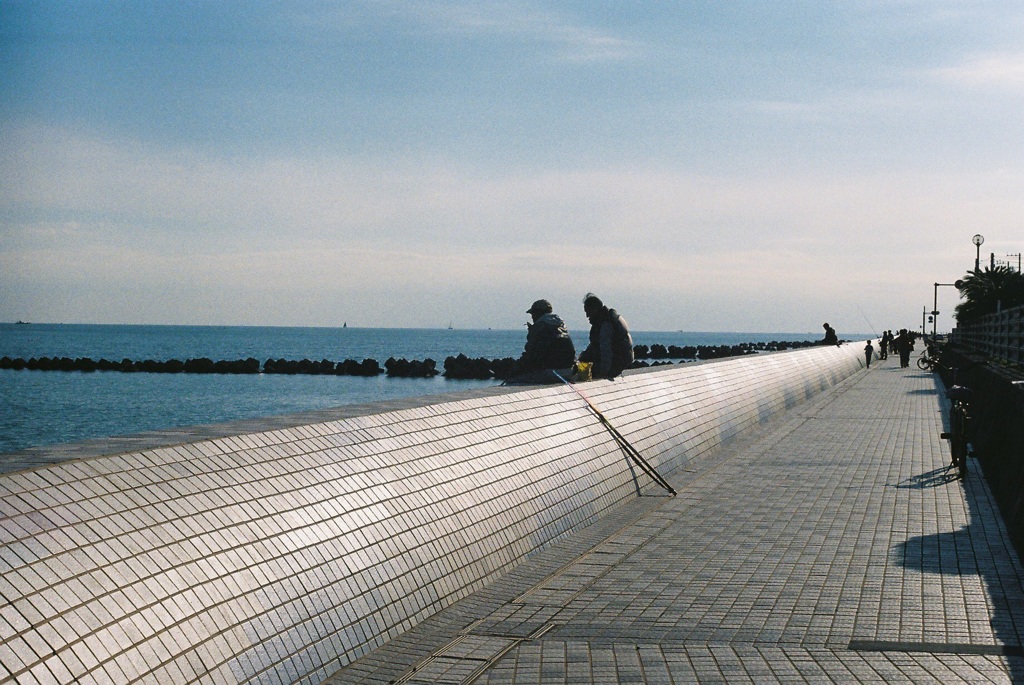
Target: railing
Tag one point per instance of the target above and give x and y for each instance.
(998, 335)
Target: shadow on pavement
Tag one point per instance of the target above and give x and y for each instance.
(971, 550)
(931, 479)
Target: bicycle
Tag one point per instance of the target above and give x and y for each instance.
(959, 423)
(929, 359)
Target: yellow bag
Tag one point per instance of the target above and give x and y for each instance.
(583, 371)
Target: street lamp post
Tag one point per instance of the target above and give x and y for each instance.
(978, 239)
(935, 303)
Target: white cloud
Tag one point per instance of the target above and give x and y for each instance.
(1001, 71)
(265, 237)
(421, 203)
(293, 201)
(838, 107)
(572, 40)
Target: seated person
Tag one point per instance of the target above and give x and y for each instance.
(611, 345)
(830, 336)
(548, 346)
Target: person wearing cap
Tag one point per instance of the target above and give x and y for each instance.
(548, 344)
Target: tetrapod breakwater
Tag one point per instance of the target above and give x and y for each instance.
(455, 367)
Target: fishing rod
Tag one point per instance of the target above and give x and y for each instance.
(630, 451)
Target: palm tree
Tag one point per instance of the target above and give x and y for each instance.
(984, 291)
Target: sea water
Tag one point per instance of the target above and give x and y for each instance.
(39, 408)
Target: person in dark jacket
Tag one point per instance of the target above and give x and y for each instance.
(611, 346)
(904, 346)
(830, 335)
(548, 344)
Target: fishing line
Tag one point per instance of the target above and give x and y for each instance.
(873, 331)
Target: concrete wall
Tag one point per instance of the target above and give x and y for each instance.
(281, 556)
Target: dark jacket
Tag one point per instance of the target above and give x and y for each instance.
(830, 337)
(548, 345)
(611, 345)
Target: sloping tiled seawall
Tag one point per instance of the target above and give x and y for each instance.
(281, 556)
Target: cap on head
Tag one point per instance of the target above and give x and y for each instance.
(540, 307)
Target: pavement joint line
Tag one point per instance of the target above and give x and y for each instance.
(935, 648)
(540, 587)
(483, 662)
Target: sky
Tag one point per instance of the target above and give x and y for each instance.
(744, 166)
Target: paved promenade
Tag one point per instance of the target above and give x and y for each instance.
(832, 546)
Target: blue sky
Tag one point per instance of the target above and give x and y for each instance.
(747, 166)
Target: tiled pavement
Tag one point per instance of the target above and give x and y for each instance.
(832, 546)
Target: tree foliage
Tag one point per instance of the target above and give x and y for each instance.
(983, 291)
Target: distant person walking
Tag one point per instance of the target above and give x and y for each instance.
(883, 346)
(548, 344)
(904, 346)
(611, 346)
(830, 335)
(869, 352)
